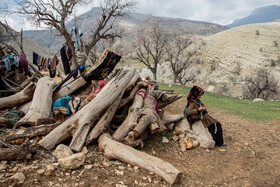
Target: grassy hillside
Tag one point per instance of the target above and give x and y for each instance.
(256, 111)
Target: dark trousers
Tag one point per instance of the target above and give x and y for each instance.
(217, 133)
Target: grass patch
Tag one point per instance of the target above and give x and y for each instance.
(255, 111)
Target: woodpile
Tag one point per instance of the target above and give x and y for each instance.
(125, 112)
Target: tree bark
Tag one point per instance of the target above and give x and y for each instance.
(19, 98)
(103, 66)
(103, 122)
(172, 119)
(5, 123)
(116, 150)
(131, 119)
(168, 101)
(69, 87)
(25, 107)
(41, 103)
(33, 131)
(89, 113)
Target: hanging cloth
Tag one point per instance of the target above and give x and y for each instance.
(65, 60)
(23, 64)
(7, 62)
(77, 37)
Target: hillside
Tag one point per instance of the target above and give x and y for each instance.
(259, 15)
(230, 56)
(132, 24)
(29, 45)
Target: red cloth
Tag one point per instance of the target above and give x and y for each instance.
(23, 64)
(101, 84)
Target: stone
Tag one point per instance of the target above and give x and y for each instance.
(175, 138)
(135, 167)
(40, 171)
(121, 167)
(121, 185)
(18, 178)
(106, 164)
(49, 170)
(178, 130)
(88, 166)
(222, 150)
(258, 100)
(165, 140)
(195, 143)
(118, 172)
(62, 151)
(72, 162)
(84, 150)
(182, 136)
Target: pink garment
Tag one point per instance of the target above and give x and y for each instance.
(101, 84)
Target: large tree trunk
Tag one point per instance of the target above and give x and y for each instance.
(131, 119)
(89, 113)
(41, 103)
(168, 101)
(116, 150)
(103, 66)
(172, 119)
(18, 98)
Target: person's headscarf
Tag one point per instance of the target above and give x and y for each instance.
(194, 93)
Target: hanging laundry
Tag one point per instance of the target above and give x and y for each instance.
(35, 58)
(53, 61)
(77, 35)
(23, 64)
(16, 60)
(65, 60)
(7, 62)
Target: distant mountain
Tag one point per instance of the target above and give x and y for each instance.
(132, 23)
(259, 15)
(29, 45)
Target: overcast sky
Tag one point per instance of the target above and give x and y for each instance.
(215, 11)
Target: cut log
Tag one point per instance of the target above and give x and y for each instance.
(19, 98)
(28, 80)
(14, 152)
(33, 131)
(89, 113)
(41, 103)
(104, 122)
(131, 119)
(124, 153)
(132, 94)
(25, 107)
(103, 66)
(172, 119)
(144, 122)
(168, 101)
(5, 123)
(153, 128)
(69, 87)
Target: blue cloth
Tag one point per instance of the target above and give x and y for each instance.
(16, 60)
(7, 62)
(77, 37)
(64, 102)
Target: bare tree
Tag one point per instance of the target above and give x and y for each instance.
(150, 49)
(179, 56)
(263, 85)
(55, 13)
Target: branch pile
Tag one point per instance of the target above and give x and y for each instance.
(120, 116)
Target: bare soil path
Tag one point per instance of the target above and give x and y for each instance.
(252, 158)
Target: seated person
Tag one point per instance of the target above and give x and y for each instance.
(196, 110)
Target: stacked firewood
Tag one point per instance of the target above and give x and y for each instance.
(120, 116)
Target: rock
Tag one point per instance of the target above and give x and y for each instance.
(121, 167)
(121, 185)
(118, 172)
(165, 140)
(149, 179)
(210, 88)
(72, 162)
(136, 182)
(62, 151)
(222, 150)
(40, 171)
(175, 138)
(145, 178)
(84, 150)
(88, 166)
(178, 130)
(207, 150)
(135, 167)
(258, 100)
(49, 170)
(106, 164)
(3, 165)
(181, 136)
(195, 143)
(19, 178)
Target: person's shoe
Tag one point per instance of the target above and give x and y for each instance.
(224, 145)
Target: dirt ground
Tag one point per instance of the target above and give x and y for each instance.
(252, 158)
